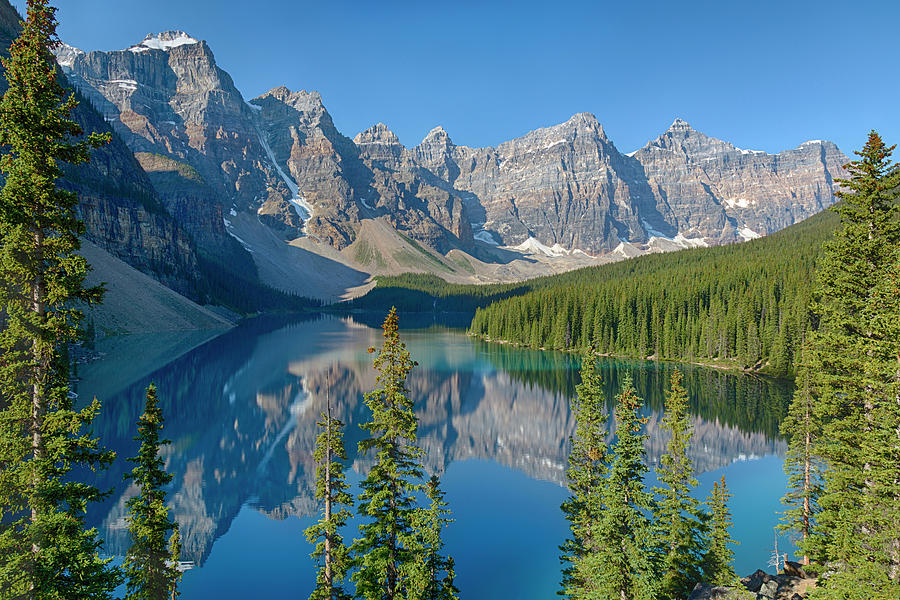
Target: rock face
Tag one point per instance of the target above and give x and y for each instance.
(167, 96)
(344, 181)
(564, 185)
(120, 207)
(555, 190)
(707, 188)
(569, 185)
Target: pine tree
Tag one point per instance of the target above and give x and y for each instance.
(432, 573)
(151, 564)
(802, 466)
(678, 519)
(383, 556)
(47, 551)
(623, 566)
(856, 372)
(587, 470)
(717, 564)
(331, 489)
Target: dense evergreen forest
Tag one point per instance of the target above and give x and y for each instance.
(420, 292)
(743, 305)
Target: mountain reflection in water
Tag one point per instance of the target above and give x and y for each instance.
(241, 412)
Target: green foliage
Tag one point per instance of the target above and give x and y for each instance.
(47, 551)
(419, 292)
(855, 368)
(385, 558)
(623, 566)
(803, 467)
(744, 304)
(587, 471)
(331, 488)
(717, 564)
(243, 293)
(151, 564)
(433, 573)
(679, 521)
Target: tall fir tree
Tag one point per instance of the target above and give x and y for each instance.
(623, 566)
(433, 573)
(679, 520)
(48, 552)
(802, 466)
(383, 555)
(332, 490)
(855, 358)
(586, 473)
(717, 565)
(151, 563)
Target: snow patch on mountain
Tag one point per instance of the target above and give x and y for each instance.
(163, 41)
(738, 202)
(304, 209)
(533, 246)
(748, 234)
(66, 54)
(486, 237)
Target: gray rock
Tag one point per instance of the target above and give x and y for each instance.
(705, 591)
(754, 581)
(566, 184)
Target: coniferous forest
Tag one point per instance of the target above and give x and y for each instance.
(744, 305)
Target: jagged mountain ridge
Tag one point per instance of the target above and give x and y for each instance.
(555, 192)
(121, 210)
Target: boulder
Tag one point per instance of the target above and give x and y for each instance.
(705, 591)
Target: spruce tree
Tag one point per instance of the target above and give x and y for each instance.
(717, 564)
(432, 573)
(587, 470)
(331, 489)
(383, 556)
(678, 520)
(623, 565)
(802, 466)
(855, 369)
(47, 551)
(151, 564)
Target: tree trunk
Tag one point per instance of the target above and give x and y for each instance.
(328, 533)
(41, 368)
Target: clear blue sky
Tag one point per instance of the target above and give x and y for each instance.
(764, 75)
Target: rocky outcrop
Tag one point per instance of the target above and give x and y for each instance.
(120, 208)
(167, 96)
(569, 185)
(706, 188)
(555, 190)
(564, 185)
(792, 584)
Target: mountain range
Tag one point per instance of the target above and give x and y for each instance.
(201, 184)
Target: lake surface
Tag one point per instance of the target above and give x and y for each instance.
(494, 421)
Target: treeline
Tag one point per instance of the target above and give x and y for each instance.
(223, 286)
(420, 292)
(755, 404)
(843, 459)
(743, 304)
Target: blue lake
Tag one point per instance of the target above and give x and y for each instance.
(494, 421)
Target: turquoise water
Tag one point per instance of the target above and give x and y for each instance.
(494, 422)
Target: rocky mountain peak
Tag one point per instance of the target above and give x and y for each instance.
(679, 126)
(66, 54)
(377, 134)
(303, 101)
(438, 135)
(165, 41)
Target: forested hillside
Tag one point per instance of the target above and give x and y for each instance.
(743, 305)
